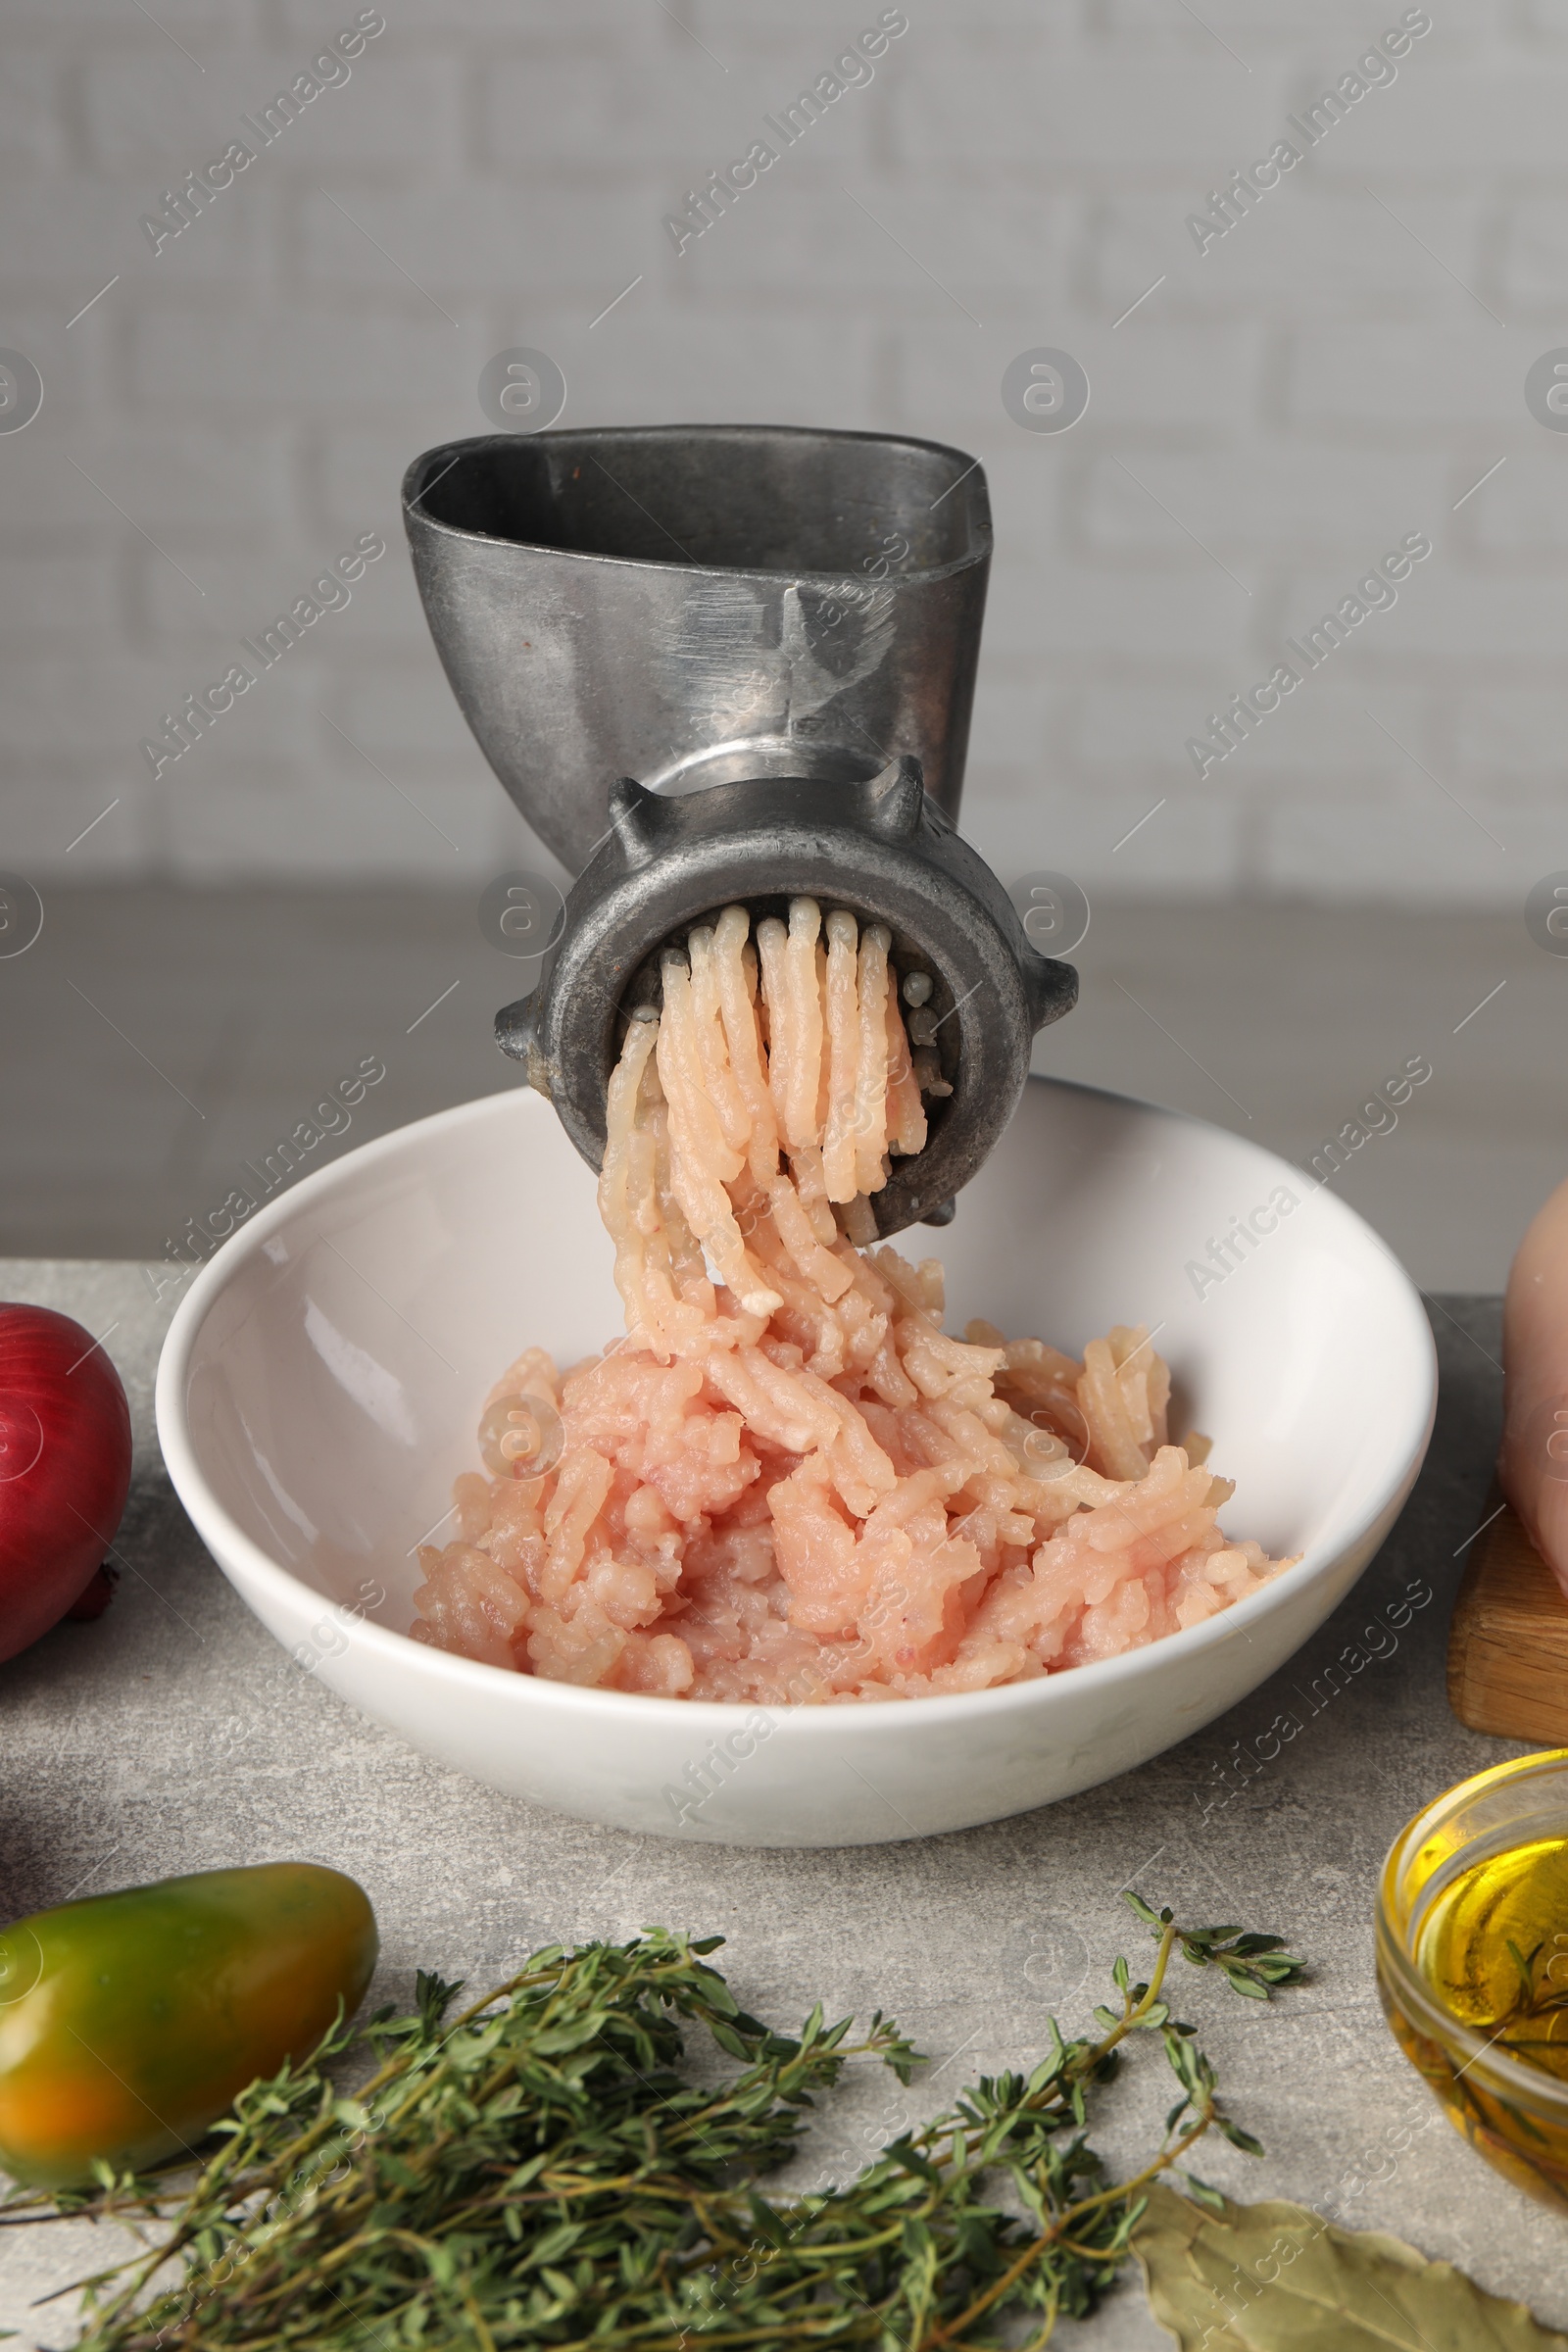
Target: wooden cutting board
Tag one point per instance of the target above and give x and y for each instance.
(1508, 1642)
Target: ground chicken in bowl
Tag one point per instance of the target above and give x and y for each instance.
(786, 1483)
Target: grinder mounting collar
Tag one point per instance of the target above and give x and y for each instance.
(882, 848)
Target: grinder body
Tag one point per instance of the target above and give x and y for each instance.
(722, 663)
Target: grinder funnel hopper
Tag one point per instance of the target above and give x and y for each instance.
(701, 605)
(712, 662)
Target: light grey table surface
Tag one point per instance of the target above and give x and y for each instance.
(173, 1735)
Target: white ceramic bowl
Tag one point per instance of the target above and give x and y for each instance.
(320, 1389)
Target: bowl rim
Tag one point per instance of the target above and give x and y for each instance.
(1414, 1991)
(225, 1537)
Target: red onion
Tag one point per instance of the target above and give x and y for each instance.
(65, 1468)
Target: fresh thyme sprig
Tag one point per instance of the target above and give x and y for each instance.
(537, 2170)
(1253, 1965)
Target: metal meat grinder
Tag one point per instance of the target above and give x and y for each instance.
(736, 663)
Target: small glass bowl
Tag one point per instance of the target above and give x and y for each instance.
(1514, 2115)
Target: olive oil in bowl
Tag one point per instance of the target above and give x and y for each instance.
(1472, 1933)
(1495, 1951)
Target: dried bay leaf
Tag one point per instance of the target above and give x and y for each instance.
(1277, 2277)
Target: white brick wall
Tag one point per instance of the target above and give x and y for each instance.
(1336, 371)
